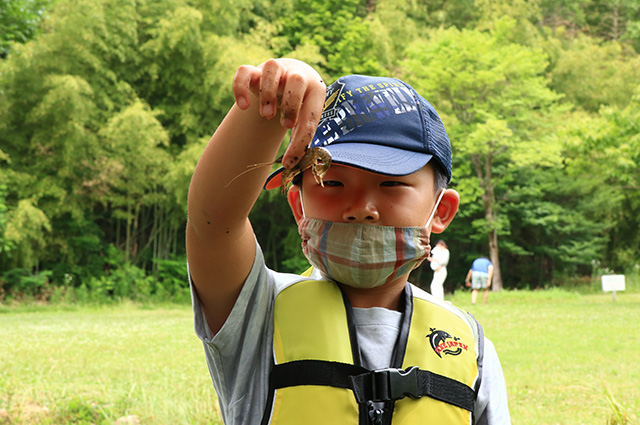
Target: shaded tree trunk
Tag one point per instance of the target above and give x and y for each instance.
(485, 176)
(495, 260)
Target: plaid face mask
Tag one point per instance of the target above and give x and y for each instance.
(363, 255)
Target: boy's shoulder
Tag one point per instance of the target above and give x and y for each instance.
(285, 280)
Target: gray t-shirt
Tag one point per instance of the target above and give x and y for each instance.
(240, 355)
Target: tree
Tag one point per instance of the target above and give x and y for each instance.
(345, 32)
(19, 22)
(609, 19)
(610, 83)
(107, 104)
(495, 98)
(135, 163)
(553, 234)
(603, 153)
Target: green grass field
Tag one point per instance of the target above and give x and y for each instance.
(93, 366)
(560, 353)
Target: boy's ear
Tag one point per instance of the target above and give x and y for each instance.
(293, 196)
(446, 210)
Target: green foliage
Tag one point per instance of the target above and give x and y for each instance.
(610, 19)
(274, 226)
(106, 106)
(611, 83)
(602, 19)
(22, 283)
(6, 245)
(173, 70)
(439, 13)
(550, 222)
(133, 160)
(563, 13)
(19, 21)
(495, 102)
(611, 142)
(171, 277)
(350, 40)
(25, 229)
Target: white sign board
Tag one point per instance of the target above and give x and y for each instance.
(613, 282)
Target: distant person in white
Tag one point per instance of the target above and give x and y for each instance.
(439, 260)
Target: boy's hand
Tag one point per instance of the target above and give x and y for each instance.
(288, 85)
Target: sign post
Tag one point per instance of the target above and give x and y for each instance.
(612, 283)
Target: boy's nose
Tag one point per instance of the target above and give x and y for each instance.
(361, 211)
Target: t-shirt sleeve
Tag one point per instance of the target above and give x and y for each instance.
(492, 405)
(443, 257)
(238, 355)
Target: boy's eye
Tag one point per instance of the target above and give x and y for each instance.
(391, 183)
(333, 183)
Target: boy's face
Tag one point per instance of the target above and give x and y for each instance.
(351, 195)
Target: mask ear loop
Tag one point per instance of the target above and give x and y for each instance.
(301, 204)
(435, 208)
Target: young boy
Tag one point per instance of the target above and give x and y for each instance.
(353, 342)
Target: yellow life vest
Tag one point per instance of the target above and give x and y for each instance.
(318, 379)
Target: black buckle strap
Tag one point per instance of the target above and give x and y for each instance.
(386, 384)
(313, 372)
(379, 385)
(394, 384)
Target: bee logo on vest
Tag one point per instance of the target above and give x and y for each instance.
(443, 343)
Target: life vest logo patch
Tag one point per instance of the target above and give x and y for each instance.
(443, 343)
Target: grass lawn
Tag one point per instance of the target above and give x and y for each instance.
(95, 365)
(559, 351)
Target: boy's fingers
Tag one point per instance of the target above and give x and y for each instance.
(242, 82)
(292, 97)
(269, 82)
(302, 92)
(306, 125)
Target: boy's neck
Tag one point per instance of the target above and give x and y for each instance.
(387, 296)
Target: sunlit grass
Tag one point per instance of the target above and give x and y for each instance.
(560, 351)
(96, 365)
(568, 359)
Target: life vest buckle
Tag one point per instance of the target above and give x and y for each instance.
(394, 384)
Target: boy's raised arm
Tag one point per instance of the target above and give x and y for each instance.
(270, 98)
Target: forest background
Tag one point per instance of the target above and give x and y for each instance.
(106, 105)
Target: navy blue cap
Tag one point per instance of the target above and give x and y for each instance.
(380, 125)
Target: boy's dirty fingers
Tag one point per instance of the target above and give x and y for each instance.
(272, 72)
(246, 76)
(292, 97)
(306, 124)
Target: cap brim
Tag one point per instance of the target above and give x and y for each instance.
(369, 157)
(274, 180)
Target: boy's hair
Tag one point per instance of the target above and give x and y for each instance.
(381, 125)
(440, 178)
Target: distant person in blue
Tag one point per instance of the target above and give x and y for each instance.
(479, 277)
